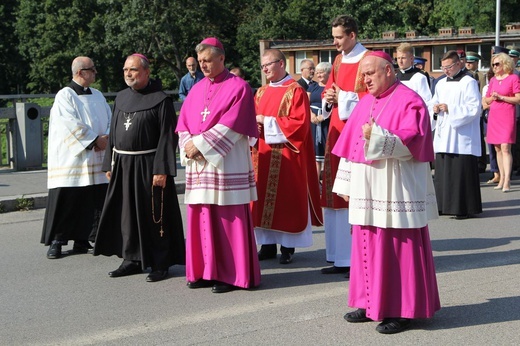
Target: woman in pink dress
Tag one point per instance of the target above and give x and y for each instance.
(502, 95)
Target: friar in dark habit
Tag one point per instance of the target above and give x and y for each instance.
(141, 220)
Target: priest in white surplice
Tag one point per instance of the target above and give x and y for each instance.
(78, 129)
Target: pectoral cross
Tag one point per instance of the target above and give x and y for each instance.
(127, 124)
(161, 232)
(205, 113)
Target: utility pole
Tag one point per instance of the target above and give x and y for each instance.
(497, 25)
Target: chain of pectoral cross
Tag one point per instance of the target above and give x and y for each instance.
(206, 111)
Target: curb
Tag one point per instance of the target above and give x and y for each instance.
(39, 200)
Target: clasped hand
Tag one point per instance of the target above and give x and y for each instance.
(331, 94)
(440, 107)
(192, 152)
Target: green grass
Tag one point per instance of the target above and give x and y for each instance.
(4, 159)
(3, 140)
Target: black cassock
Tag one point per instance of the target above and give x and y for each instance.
(143, 120)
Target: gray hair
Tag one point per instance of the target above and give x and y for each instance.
(324, 66)
(306, 61)
(214, 50)
(144, 61)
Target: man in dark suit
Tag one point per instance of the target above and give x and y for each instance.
(307, 69)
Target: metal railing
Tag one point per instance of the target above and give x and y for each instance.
(10, 130)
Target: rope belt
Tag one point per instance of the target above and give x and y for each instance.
(140, 152)
(125, 152)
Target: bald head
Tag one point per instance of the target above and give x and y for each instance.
(191, 65)
(378, 74)
(83, 71)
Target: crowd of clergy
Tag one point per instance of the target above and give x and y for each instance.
(384, 149)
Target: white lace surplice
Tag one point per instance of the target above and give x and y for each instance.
(393, 191)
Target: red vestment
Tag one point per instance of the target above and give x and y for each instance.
(346, 76)
(286, 177)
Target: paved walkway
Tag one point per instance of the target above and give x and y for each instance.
(72, 301)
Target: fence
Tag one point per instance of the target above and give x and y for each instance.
(24, 131)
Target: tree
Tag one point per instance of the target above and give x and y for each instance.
(39, 39)
(480, 14)
(167, 32)
(11, 65)
(51, 34)
(281, 20)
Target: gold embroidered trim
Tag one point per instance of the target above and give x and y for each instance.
(359, 85)
(327, 169)
(276, 156)
(286, 103)
(259, 93)
(272, 185)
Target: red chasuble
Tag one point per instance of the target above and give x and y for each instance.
(287, 181)
(345, 76)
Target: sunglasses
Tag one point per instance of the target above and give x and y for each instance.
(495, 64)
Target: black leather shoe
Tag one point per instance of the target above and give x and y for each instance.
(126, 268)
(360, 315)
(335, 270)
(157, 275)
(199, 283)
(460, 217)
(285, 258)
(221, 287)
(54, 251)
(267, 252)
(393, 325)
(81, 247)
(284, 249)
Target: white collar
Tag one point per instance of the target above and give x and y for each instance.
(355, 54)
(406, 69)
(280, 82)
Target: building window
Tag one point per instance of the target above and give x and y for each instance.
(298, 57)
(390, 51)
(437, 53)
(328, 55)
(484, 50)
(514, 45)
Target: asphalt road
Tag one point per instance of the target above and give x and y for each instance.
(72, 301)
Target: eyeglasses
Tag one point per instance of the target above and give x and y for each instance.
(93, 69)
(495, 64)
(269, 64)
(309, 68)
(445, 68)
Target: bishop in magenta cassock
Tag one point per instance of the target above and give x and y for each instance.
(385, 150)
(215, 124)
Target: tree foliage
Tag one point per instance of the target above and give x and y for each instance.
(39, 39)
(11, 65)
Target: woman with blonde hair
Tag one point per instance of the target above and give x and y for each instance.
(502, 96)
(319, 125)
